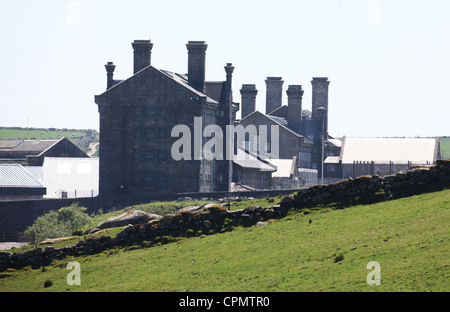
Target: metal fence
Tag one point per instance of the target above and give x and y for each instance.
(12, 237)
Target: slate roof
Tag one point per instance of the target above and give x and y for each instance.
(32, 146)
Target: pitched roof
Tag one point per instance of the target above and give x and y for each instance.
(246, 159)
(183, 80)
(384, 150)
(31, 146)
(285, 167)
(178, 78)
(14, 175)
(282, 111)
(278, 120)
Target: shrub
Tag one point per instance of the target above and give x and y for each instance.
(64, 222)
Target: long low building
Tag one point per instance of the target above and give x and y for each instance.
(363, 156)
(17, 183)
(33, 152)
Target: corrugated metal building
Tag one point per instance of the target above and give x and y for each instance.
(362, 156)
(17, 183)
(252, 170)
(286, 175)
(70, 177)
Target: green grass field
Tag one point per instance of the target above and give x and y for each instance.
(445, 147)
(74, 136)
(408, 237)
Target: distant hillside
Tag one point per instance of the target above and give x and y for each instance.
(83, 138)
(445, 147)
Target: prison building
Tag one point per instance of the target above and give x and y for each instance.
(137, 116)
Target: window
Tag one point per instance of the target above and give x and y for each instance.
(151, 110)
(162, 133)
(149, 155)
(161, 178)
(137, 133)
(161, 155)
(149, 178)
(138, 111)
(137, 178)
(162, 111)
(331, 168)
(150, 133)
(137, 155)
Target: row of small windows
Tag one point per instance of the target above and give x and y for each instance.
(150, 110)
(149, 178)
(150, 133)
(149, 155)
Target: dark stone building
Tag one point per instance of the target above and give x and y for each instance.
(137, 120)
(300, 131)
(33, 152)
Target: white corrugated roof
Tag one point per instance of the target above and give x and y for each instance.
(384, 150)
(332, 160)
(246, 160)
(284, 167)
(15, 175)
(335, 142)
(70, 174)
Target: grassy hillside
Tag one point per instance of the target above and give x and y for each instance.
(81, 138)
(445, 147)
(408, 237)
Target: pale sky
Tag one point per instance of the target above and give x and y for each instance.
(388, 61)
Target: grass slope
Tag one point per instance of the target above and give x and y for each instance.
(445, 147)
(408, 237)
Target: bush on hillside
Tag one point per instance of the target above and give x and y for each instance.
(64, 222)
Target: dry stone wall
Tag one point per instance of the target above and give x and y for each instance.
(397, 185)
(403, 183)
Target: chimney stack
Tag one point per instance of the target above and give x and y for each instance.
(320, 99)
(248, 99)
(196, 64)
(110, 67)
(274, 93)
(294, 115)
(142, 54)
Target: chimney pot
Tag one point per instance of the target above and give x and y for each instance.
(320, 99)
(294, 115)
(142, 54)
(248, 99)
(274, 93)
(196, 64)
(110, 67)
